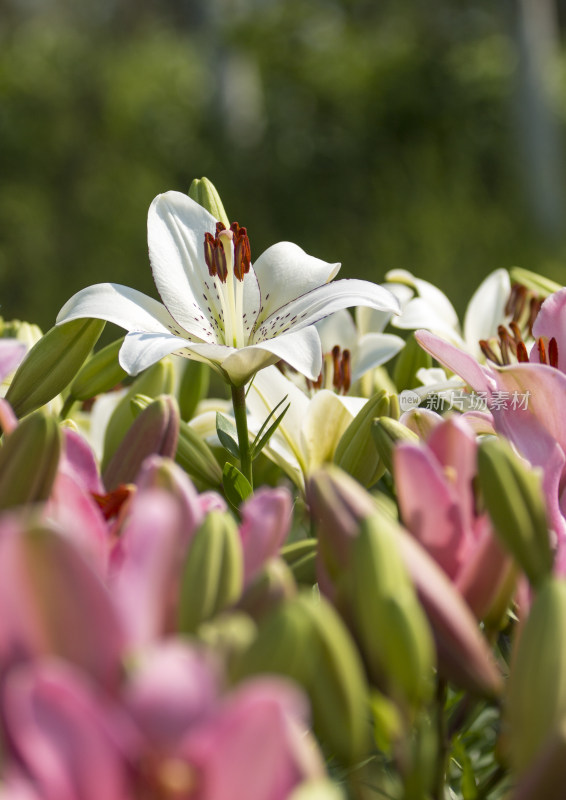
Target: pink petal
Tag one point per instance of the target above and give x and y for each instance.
(430, 506)
(266, 519)
(551, 322)
(456, 361)
(256, 747)
(57, 725)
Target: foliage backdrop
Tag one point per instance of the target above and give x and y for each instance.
(380, 135)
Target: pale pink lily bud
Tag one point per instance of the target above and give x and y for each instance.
(266, 520)
(338, 504)
(434, 481)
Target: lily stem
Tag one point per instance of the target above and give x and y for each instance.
(67, 406)
(239, 404)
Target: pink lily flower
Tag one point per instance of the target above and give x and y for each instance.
(171, 734)
(526, 401)
(436, 499)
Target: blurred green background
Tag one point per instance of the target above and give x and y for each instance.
(383, 134)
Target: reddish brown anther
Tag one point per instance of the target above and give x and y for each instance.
(522, 354)
(505, 344)
(209, 243)
(336, 367)
(534, 308)
(242, 252)
(553, 352)
(542, 351)
(346, 371)
(488, 351)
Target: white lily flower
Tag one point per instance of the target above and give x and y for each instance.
(367, 348)
(309, 432)
(433, 311)
(217, 307)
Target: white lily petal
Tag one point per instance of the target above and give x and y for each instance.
(323, 301)
(300, 349)
(285, 272)
(433, 296)
(486, 309)
(269, 387)
(141, 350)
(338, 329)
(121, 305)
(327, 418)
(374, 349)
(175, 228)
(419, 314)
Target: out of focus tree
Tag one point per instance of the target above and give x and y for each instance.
(376, 134)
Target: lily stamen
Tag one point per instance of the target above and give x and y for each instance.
(553, 352)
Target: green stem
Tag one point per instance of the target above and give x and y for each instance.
(67, 406)
(239, 404)
(443, 741)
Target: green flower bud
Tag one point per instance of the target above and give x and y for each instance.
(204, 193)
(273, 585)
(537, 283)
(101, 373)
(536, 697)
(195, 380)
(154, 432)
(306, 640)
(390, 624)
(196, 457)
(410, 360)
(26, 332)
(301, 558)
(28, 461)
(156, 380)
(386, 434)
(52, 363)
(546, 776)
(357, 453)
(213, 573)
(513, 497)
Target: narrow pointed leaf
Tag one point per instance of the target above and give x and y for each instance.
(258, 446)
(237, 488)
(228, 435)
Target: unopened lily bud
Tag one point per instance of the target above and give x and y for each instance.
(390, 625)
(338, 505)
(156, 380)
(387, 433)
(301, 558)
(536, 697)
(101, 373)
(28, 461)
(306, 640)
(322, 789)
(546, 776)
(514, 500)
(52, 363)
(203, 192)
(196, 457)
(193, 387)
(273, 585)
(154, 432)
(410, 360)
(213, 574)
(26, 332)
(357, 453)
